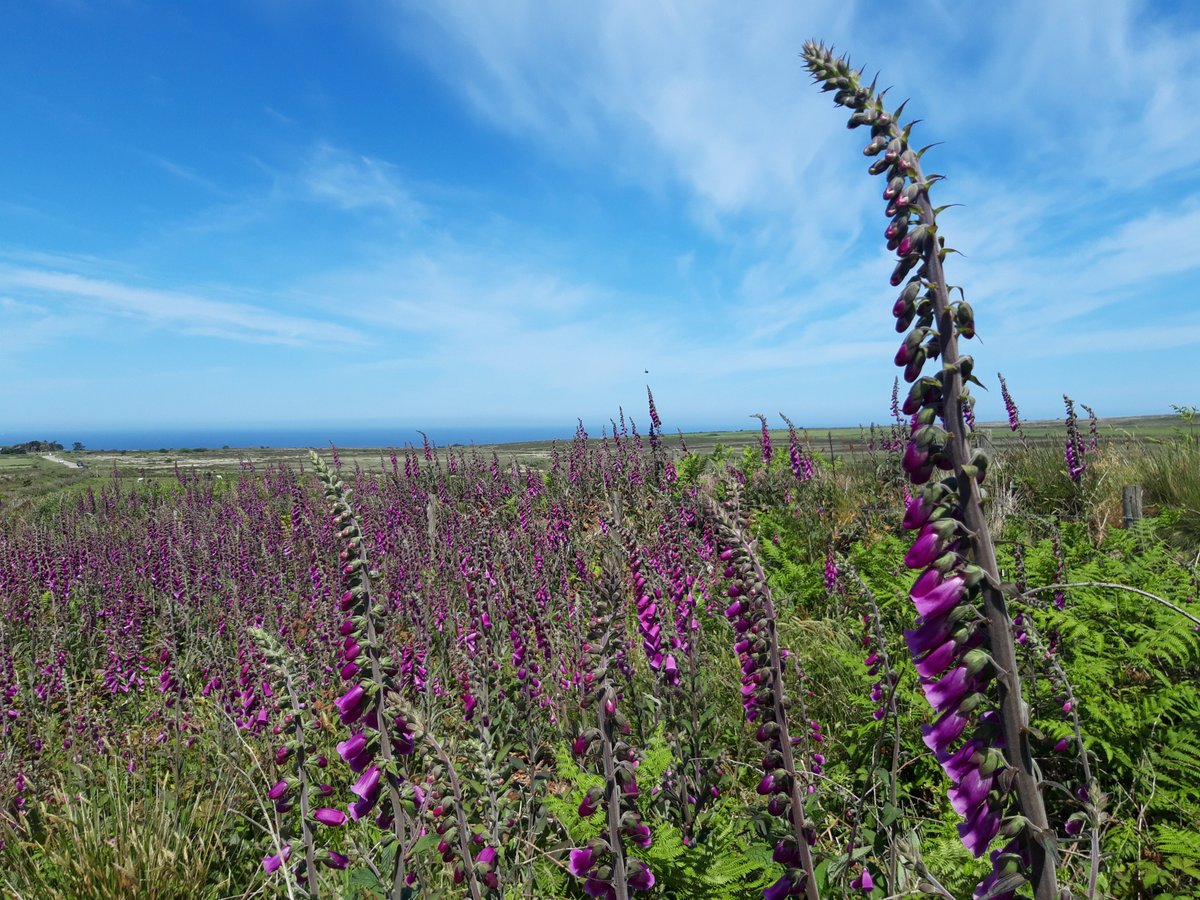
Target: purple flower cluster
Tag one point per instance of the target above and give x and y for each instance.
(1010, 406)
(298, 785)
(602, 865)
(831, 571)
(765, 441)
(1074, 448)
(963, 633)
(649, 626)
(954, 671)
(751, 611)
(801, 462)
(381, 731)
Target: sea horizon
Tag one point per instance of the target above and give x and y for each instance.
(286, 437)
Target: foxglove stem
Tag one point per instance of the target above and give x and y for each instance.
(275, 656)
(1092, 804)
(619, 883)
(464, 833)
(892, 715)
(908, 195)
(1010, 407)
(1042, 845)
(753, 611)
(359, 577)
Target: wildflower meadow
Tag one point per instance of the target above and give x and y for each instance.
(948, 664)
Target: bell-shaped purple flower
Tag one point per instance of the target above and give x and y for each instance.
(328, 816)
(937, 660)
(640, 876)
(925, 549)
(949, 691)
(335, 860)
(944, 731)
(941, 599)
(367, 785)
(352, 746)
(272, 863)
(590, 803)
(971, 791)
(978, 830)
(580, 861)
(350, 704)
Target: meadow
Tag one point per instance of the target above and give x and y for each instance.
(629, 663)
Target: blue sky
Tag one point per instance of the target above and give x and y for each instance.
(281, 213)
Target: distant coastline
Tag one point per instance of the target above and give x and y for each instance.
(217, 438)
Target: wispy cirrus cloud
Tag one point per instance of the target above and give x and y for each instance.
(1059, 120)
(354, 182)
(182, 312)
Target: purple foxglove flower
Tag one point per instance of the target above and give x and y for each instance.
(350, 704)
(916, 513)
(786, 853)
(277, 790)
(929, 634)
(367, 786)
(594, 887)
(962, 760)
(328, 816)
(640, 835)
(941, 599)
(925, 549)
(361, 808)
(863, 882)
(591, 803)
(335, 860)
(780, 890)
(361, 761)
(914, 460)
(272, 863)
(936, 661)
(970, 792)
(581, 861)
(977, 832)
(351, 747)
(926, 581)
(640, 878)
(944, 731)
(487, 856)
(950, 689)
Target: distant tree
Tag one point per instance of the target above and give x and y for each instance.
(77, 447)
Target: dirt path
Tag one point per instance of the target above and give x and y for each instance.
(59, 459)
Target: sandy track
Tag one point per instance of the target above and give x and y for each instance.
(58, 459)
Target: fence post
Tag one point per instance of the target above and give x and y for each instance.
(1131, 503)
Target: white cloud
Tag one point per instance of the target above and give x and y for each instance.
(181, 312)
(353, 182)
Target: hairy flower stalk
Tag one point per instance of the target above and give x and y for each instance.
(764, 442)
(1074, 448)
(1010, 407)
(752, 613)
(382, 730)
(800, 461)
(279, 793)
(961, 662)
(602, 865)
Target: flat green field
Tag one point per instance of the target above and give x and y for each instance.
(28, 480)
